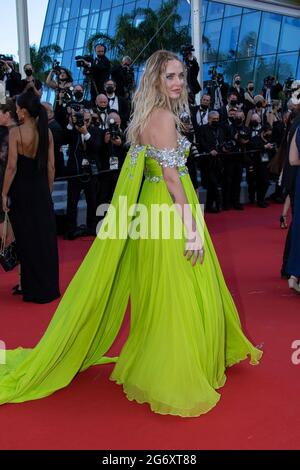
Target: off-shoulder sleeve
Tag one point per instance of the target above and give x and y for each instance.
(170, 158)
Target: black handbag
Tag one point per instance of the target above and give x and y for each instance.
(8, 254)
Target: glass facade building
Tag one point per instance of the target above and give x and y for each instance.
(235, 39)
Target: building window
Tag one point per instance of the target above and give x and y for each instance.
(229, 37)
(249, 34)
(81, 32)
(290, 35)
(212, 34)
(231, 10)
(103, 21)
(269, 33)
(215, 11)
(286, 66)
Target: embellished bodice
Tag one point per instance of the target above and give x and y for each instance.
(157, 159)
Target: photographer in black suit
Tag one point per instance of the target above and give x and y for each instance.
(99, 71)
(85, 142)
(117, 103)
(11, 78)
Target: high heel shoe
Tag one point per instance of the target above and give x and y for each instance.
(293, 284)
(282, 221)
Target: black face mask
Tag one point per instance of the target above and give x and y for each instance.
(102, 109)
(233, 103)
(238, 82)
(78, 95)
(110, 90)
(268, 137)
(254, 124)
(99, 56)
(251, 88)
(204, 106)
(28, 72)
(215, 124)
(259, 105)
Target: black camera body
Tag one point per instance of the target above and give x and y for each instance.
(79, 119)
(230, 146)
(67, 96)
(80, 63)
(244, 134)
(114, 129)
(186, 50)
(56, 67)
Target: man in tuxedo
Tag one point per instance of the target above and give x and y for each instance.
(200, 113)
(117, 103)
(100, 71)
(102, 110)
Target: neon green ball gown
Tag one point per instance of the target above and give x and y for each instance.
(185, 329)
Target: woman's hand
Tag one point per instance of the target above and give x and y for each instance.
(5, 203)
(194, 249)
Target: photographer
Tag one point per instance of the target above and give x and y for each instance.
(85, 143)
(78, 99)
(11, 78)
(31, 83)
(238, 90)
(192, 68)
(99, 71)
(123, 76)
(112, 157)
(217, 89)
(235, 148)
(266, 150)
(211, 137)
(271, 89)
(117, 103)
(64, 89)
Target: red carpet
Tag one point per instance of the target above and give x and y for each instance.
(259, 408)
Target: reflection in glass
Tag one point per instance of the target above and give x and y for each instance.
(286, 66)
(58, 11)
(184, 10)
(264, 66)
(211, 43)
(115, 13)
(62, 35)
(50, 11)
(290, 35)
(92, 29)
(244, 67)
(66, 10)
(72, 25)
(85, 7)
(95, 6)
(215, 11)
(269, 33)
(81, 32)
(249, 34)
(231, 10)
(229, 37)
(103, 21)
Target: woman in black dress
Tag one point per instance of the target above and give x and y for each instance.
(28, 182)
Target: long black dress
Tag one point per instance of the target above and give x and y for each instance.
(33, 221)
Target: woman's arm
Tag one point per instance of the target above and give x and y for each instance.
(11, 168)
(51, 162)
(50, 82)
(163, 135)
(294, 155)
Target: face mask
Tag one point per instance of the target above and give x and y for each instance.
(231, 119)
(101, 109)
(78, 95)
(28, 72)
(204, 106)
(254, 124)
(238, 82)
(251, 88)
(259, 104)
(233, 103)
(110, 90)
(215, 124)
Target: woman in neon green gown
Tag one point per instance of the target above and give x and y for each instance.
(185, 329)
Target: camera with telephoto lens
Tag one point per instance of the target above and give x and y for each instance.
(186, 50)
(230, 146)
(56, 67)
(194, 152)
(244, 134)
(80, 63)
(185, 118)
(4, 59)
(113, 129)
(78, 118)
(67, 96)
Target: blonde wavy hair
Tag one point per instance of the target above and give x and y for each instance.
(150, 95)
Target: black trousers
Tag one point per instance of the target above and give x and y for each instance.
(261, 180)
(233, 171)
(90, 188)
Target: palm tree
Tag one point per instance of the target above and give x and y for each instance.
(41, 58)
(144, 28)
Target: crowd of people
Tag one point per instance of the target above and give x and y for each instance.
(233, 131)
